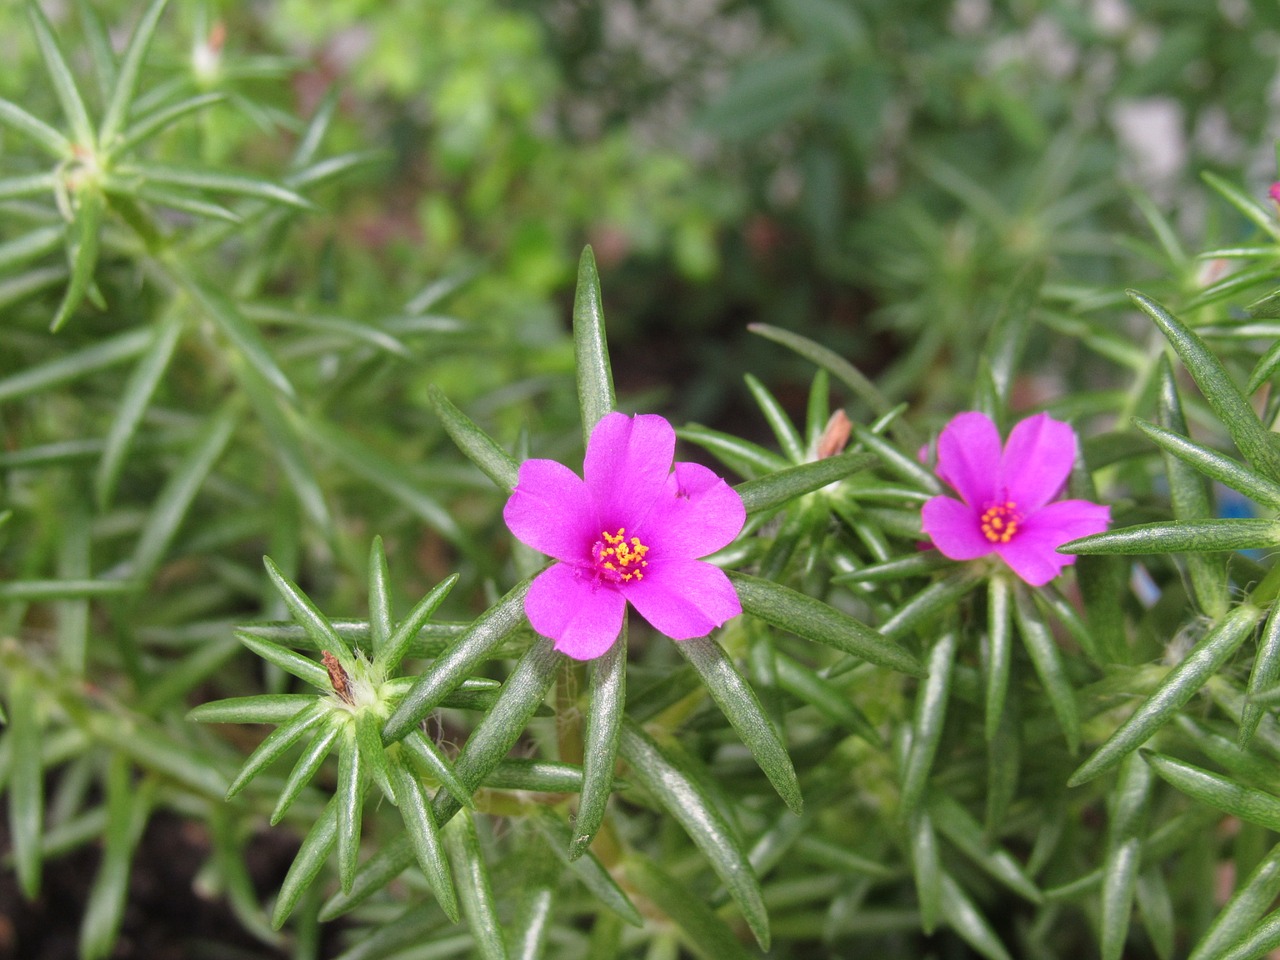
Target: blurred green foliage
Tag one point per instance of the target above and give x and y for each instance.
(310, 269)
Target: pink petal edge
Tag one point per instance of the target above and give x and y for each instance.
(953, 528)
(684, 599)
(697, 514)
(626, 467)
(1037, 460)
(969, 457)
(550, 511)
(583, 617)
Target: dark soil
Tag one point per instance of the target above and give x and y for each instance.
(166, 917)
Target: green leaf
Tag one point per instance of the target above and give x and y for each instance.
(738, 702)
(701, 930)
(287, 660)
(741, 456)
(480, 448)
(349, 795)
(825, 697)
(1243, 911)
(424, 837)
(495, 735)
(152, 123)
(30, 246)
(930, 716)
(83, 252)
(133, 403)
(955, 823)
(308, 615)
(1264, 675)
(316, 847)
(686, 801)
(215, 182)
(13, 188)
(783, 430)
(37, 590)
(306, 767)
(829, 360)
(1206, 536)
(927, 870)
(905, 467)
(64, 84)
(280, 740)
(381, 472)
(1120, 880)
(128, 809)
(1228, 404)
(815, 620)
(1007, 338)
(999, 653)
(1215, 790)
(126, 85)
(590, 347)
(1177, 688)
(1188, 505)
(14, 117)
(967, 921)
(178, 494)
(587, 868)
(372, 755)
(380, 624)
(942, 595)
(457, 661)
(607, 695)
(474, 889)
(24, 740)
(240, 333)
(775, 489)
(1251, 208)
(1047, 660)
(429, 757)
(1259, 942)
(261, 708)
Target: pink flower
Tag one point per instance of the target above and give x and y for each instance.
(1006, 508)
(632, 530)
(1274, 193)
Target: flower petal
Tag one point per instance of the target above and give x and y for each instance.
(582, 616)
(1032, 553)
(627, 465)
(969, 457)
(684, 598)
(697, 514)
(954, 529)
(1037, 461)
(551, 511)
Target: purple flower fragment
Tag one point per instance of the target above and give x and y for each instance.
(1007, 504)
(632, 528)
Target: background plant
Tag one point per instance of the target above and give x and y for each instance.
(253, 357)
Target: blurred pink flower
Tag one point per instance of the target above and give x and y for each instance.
(1274, 193)
(1005, 495)
(631, 529)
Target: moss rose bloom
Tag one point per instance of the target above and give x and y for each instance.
(632, 528)
(1006, 504)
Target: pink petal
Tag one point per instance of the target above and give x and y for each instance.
(953, 527)
(581, 615)
(697, 514)
(628, 461)
(1032, 553)
(684, 598)
(551, 511)
(1037, 461)
(969, 457)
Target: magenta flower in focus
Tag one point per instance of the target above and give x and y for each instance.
(632, 528)
(1007, 504)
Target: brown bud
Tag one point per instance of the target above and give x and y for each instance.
(338, 677)
(835, 436)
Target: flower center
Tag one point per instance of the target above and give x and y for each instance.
(619, 559)
(1000, 522)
